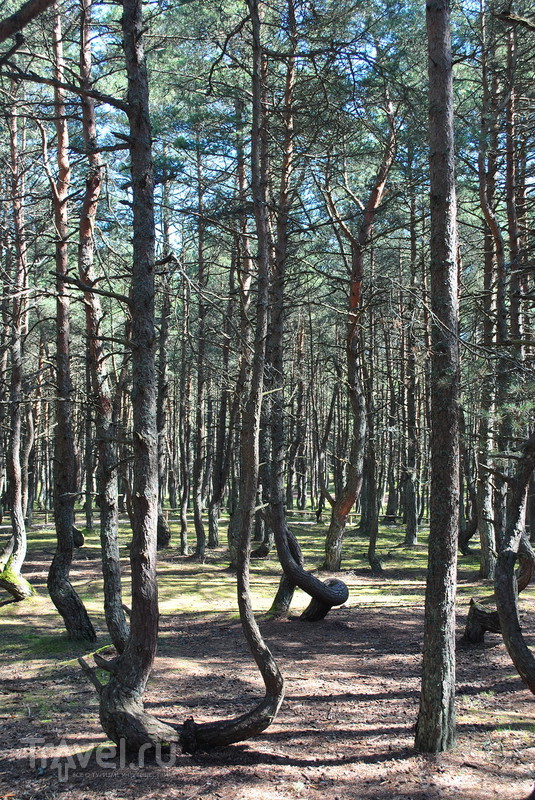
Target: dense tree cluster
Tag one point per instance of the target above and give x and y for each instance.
(223, 288)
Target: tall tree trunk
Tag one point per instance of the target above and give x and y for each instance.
(391, 512)
(164, 532)
(200, 439)
(264, 713)
(297, 444)
(121, 699)
(435, 731)
(324, 595)
(66, 487)
(88, 447)
(468, 523)
(184, 424)
(511, 189)
(29, 464)
(13, 555)
(372, 527)
(121, 706)
(224, 431)
(103, 402)
(487, 168)
(4, 355)
(411, 512)
(245, 273)
(346, 499)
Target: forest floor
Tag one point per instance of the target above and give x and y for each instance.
(345, 730)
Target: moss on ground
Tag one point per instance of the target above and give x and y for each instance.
(188, 587)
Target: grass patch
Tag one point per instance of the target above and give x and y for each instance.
(187, 587)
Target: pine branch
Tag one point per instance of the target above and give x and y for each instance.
(514, 19)
(87, 288)
(29, 75)
(25, 14)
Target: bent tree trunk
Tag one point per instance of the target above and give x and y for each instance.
(481, 617)
(243, 727)
(505, 581)
(121, 699)
(63, 595)
(324, 596)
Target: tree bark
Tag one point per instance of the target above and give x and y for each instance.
(62, 592)
(505, 584)
(103, 402)
(435, 731)
(347, 498)
(121, 700)
(12, 558)
(17, 21)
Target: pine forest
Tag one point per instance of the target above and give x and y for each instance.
(267, 399)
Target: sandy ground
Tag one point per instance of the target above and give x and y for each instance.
(345, 730)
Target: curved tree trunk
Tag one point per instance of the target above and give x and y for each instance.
(227, 732)
(121, 700)
(62, 592)
(481, 617)
(505, 581)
